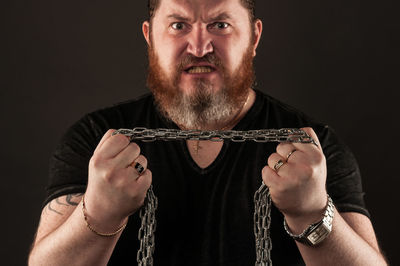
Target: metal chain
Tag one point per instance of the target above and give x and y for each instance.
(147, 228)
(261, 135)
(262, 225)
(262, 198)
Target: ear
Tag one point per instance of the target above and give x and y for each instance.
(146, 31)
(257, 34)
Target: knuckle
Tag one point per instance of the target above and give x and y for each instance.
(108, 177)
(135, 147)
(266, 175)
(271, 159)
(149, 176)
(146, 179)
(309, 170)
(110, 131)
(144, 160)
(279, 147)
(307, 129)
(95, 162)
(320, 158)
(122, 139)
(265, 179)
(282, 147)
(264, 171)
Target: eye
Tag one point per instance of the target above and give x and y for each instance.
(178, 25)
(219, 25)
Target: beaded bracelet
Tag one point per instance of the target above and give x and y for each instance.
(95, 231)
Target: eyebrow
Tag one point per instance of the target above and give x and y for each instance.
(222, 16)
(178, 17)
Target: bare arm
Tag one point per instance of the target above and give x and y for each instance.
(351, 242)
(298, 190)
(115, 191)
(63, 238)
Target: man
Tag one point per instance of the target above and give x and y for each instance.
(200, 75)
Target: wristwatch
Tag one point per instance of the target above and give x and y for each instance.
(317, 232)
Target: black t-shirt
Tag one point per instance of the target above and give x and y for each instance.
(204, 216)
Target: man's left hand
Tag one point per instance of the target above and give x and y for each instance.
(297, 187)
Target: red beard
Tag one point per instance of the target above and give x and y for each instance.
(205, 108)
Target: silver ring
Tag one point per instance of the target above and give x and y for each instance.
(278, 165)
(290, 154)
(139, 168)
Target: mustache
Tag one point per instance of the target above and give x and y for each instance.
(191, 59)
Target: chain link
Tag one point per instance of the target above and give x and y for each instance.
(262, 198)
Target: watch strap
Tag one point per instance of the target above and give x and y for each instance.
(315, 233)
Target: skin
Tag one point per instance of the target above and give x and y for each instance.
(115, 190)
(298, 190)
(194, 27)
(198, 28)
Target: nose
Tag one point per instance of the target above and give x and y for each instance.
(199, 42)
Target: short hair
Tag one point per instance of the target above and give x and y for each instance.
(248, 4)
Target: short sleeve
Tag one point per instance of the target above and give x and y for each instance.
(68, 166)
(344, 179)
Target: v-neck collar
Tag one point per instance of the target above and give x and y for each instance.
(241, 125)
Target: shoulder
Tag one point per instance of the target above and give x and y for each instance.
(125, 114)
(278, 114)
(83, 136)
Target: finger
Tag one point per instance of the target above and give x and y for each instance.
(312, 134)
(107, 135)
(140, 164)
(270, 177)
(112, 146)
(286, 150)
(137, 185)
(275, 162)
(145, 179)
(308, 146)
(128, 155)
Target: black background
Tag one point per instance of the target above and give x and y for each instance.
(335, 60)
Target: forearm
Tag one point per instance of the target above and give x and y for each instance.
(73, 244)
(342, 247)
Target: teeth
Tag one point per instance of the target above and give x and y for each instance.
(200, 69)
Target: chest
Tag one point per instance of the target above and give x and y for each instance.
(204, 215)
(204, 153)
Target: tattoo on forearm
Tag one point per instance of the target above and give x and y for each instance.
(51, 208)
(70, 197)
(58, 200)
(68, 200)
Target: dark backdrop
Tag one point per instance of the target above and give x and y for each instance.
(335, 60)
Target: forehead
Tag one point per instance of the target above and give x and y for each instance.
(201, 8)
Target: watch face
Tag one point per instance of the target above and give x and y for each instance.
(318, 234)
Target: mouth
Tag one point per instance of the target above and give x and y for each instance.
(199, 69)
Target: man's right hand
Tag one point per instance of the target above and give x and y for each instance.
(115, 188)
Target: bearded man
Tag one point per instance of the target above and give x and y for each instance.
(201, 75)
